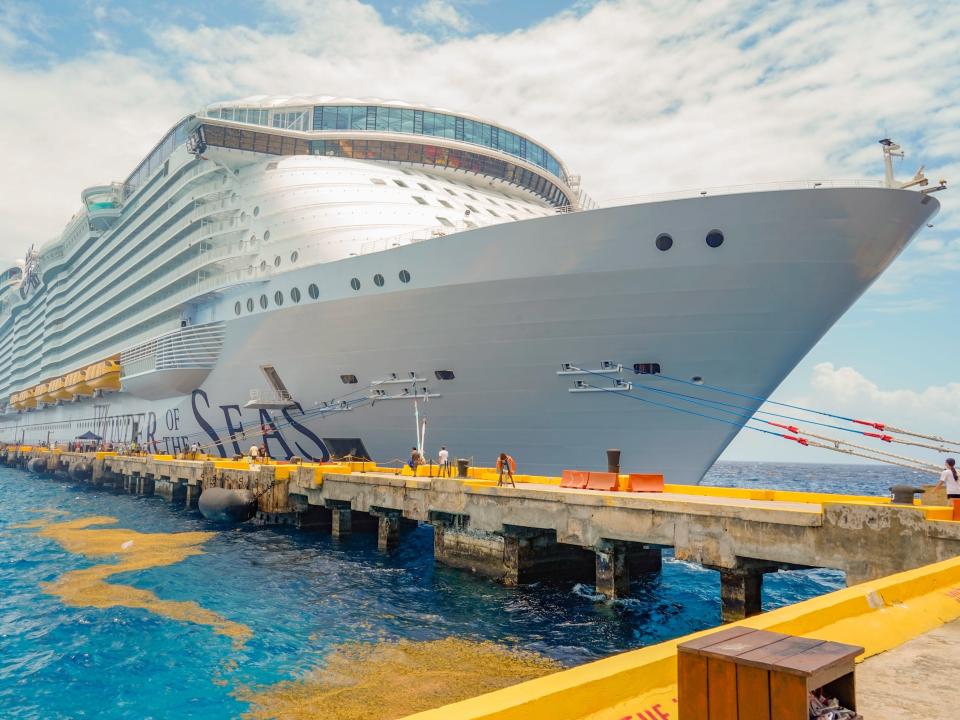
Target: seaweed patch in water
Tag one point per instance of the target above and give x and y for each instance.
(395, 679)
(136, 551)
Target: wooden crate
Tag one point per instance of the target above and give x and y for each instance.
(744, 674)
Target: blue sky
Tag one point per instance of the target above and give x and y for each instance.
(638, 97)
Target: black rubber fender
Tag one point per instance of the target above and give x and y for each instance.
(223, 505)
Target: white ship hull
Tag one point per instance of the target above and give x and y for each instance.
(503, 307)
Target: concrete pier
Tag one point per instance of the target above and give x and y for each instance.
(539, 531)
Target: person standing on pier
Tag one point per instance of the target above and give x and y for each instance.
(443, 458)
(506, 465)
(416, 459)
(950, 480)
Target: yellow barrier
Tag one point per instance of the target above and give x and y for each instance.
(877, 615)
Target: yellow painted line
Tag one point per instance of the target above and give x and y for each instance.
(878, 615)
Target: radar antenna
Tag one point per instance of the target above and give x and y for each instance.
(892, 150)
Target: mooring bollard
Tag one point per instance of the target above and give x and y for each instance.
(613, 461)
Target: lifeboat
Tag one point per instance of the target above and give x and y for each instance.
(15, 401)
(57, 389)
(42, 394)
(75, 383)
(104, 375)
(28, 399)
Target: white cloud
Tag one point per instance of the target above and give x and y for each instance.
(847, 392)
(440, 13)
(637, 97)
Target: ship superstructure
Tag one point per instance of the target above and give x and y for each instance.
(386, 249)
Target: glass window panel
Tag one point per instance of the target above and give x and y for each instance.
(329, 118)
(382, 119)
(406, 121)
(343, 118)
(450, 126)
(318, 117)
(458, 128)
(394, 122)
(418, 122)
(358, 117)
(428, 120)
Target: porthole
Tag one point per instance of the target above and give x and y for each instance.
(378, 280)
(237, 307)
(664, 242)
(266, 235)
(243, 217)
(256, 210)
(404, 276)
(276, 261)
(264, 302)
(278, 298)
(249, 304)
(263, 264)
(714, 238)
(355, 283)
(295, 294)
(696, 380)
(294, 256)
(348, 379)
(314, 291)
(444, 374)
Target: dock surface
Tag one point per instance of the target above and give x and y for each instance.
(919, 679)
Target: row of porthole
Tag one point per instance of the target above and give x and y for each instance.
(313, 291)
(713, 239)
(378, 280)
(294, 256)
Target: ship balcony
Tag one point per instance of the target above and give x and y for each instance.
(118, 327)
(173, 364)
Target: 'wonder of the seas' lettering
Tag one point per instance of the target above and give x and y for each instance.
(227, 431)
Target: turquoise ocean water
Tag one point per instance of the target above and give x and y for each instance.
(301, 593)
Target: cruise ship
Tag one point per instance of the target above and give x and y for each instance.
(331, 277)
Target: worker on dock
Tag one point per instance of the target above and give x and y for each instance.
(254, 453)
(443, 459)
(506, 465)
(949, 480)
(416, 459)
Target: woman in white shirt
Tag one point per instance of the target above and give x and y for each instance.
(950, 480)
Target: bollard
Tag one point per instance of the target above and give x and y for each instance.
(462, 465)
(613, 461)
(903, 494)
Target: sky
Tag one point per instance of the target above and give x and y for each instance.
(636, 97)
